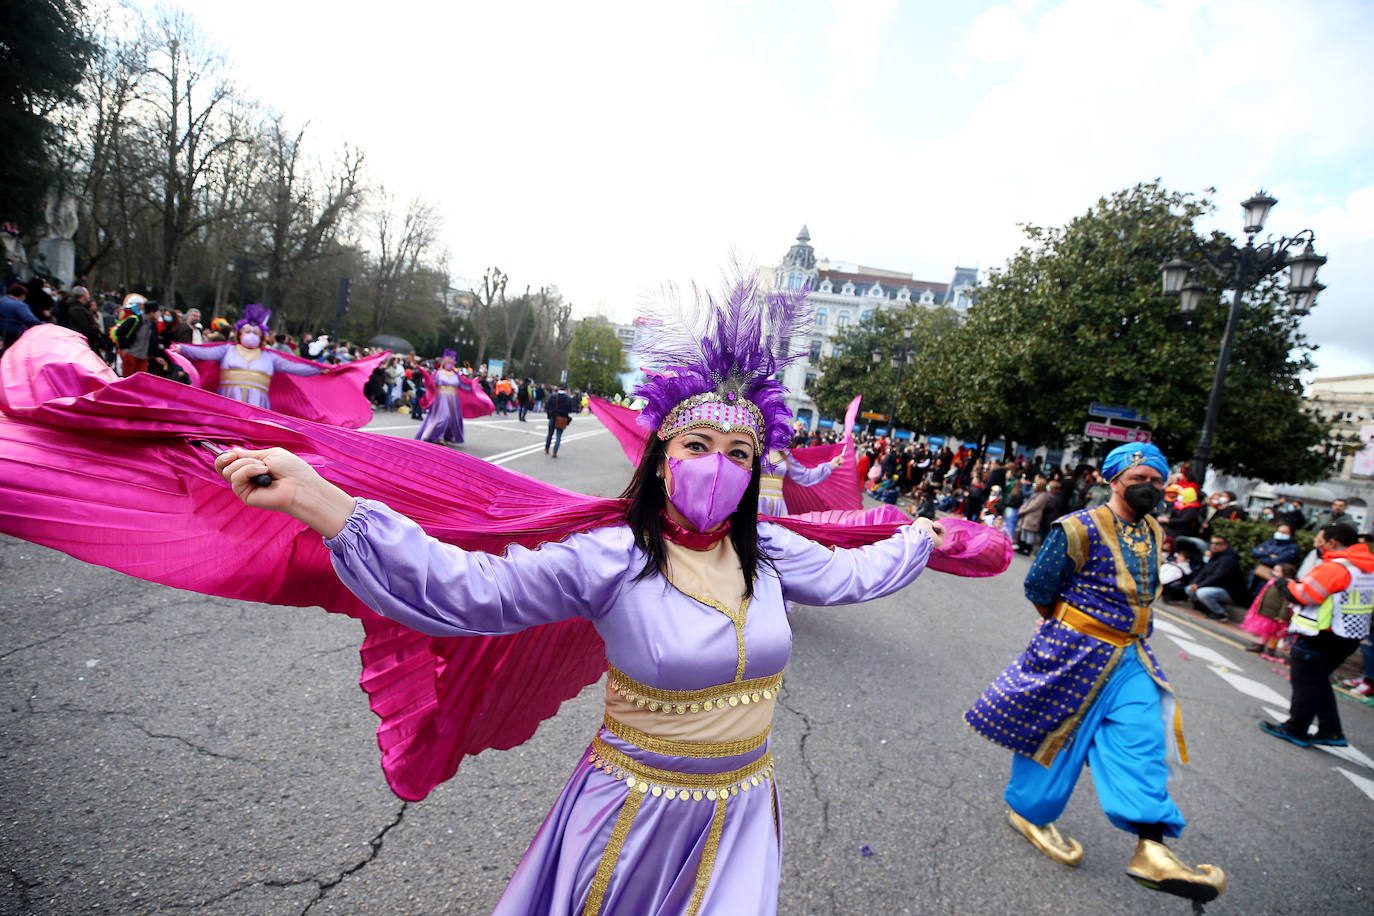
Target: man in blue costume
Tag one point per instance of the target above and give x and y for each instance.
(1088, 687)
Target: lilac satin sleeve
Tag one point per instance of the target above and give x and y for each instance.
(205, 352)
(293, 367)
(406, 575)
(817, 575)
(808, 477)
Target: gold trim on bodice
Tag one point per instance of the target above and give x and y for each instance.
(448, 389)
(770, 486)
(245, 378)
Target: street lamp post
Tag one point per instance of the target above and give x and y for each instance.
(1239, 270)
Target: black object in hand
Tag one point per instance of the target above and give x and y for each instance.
(260, 480)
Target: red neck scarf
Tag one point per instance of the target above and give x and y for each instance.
(692, 540)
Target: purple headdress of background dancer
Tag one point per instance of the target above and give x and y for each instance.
(255, 314)
(712, 363)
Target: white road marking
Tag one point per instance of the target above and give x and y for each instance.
(1365, 785)
(1204, 653)
(1164, 626)
(503, 457)
(1349, 754)
(1250, 687)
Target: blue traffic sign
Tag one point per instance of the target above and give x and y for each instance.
(1115, 412)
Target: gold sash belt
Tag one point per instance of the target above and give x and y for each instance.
(770, 485)
(448, 389)
(674, 785)
(1088, 625)
(250, 378)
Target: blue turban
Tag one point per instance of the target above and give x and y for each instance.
(1132, 454)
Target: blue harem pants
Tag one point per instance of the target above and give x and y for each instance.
(1121, 737)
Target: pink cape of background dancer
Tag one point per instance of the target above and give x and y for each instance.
(101, 468)
(473, 400)
(335, 397)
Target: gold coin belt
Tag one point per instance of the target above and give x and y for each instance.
(673, 786)
(681, 702)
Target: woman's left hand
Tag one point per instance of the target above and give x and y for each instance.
(934, 529)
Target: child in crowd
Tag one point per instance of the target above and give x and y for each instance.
(1269, 615)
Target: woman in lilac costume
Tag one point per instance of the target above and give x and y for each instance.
(245, 367)
(779, 464)
(672, 809)
(444, 422)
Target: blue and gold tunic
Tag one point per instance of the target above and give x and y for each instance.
(1100, 575)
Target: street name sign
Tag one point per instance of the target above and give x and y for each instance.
(1115, 412)
(1116, 433)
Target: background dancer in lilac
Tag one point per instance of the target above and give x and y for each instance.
(245, 367)
(444, 422)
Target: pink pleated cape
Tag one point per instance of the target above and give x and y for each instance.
(336, 398)
(102, 468)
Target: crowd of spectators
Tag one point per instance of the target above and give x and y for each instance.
(133, 334)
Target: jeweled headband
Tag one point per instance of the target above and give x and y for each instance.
(728, 413)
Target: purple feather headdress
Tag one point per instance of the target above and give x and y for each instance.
(257, 314)
(712, 363)
(449, 356)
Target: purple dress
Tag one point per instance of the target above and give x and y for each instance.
(672, 809)
(247, 380)
(770, 483)
(444, 422)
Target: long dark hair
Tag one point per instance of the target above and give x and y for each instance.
(648, 496)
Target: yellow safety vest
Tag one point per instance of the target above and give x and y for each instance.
(1345, 613)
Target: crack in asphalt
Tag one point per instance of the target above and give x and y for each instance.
(23, 885)
(323, 885)
(813, 781)
(374, 847)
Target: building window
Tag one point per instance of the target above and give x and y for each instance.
(848, 289)
(876, 290)
(842, 319)
(927, 298)
(794, 281)
(836, 349)
(866, 315)
(827, 286)
(821, 317)
(811, 380)
(816, 348)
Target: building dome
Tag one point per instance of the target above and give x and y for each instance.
(801, 255)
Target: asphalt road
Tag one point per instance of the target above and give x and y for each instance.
(167, 752)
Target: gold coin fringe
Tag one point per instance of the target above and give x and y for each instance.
(679, 786)
(741, 694)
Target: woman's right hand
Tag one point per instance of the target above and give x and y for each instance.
(296, 488)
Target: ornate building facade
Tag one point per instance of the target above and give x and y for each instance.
(841, 296)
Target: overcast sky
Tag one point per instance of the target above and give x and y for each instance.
(608, 147)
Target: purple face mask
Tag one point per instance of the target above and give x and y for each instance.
(707, 490)
(249, 339)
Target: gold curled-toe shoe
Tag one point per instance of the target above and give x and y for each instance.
(1155, 866)
(1047, 840)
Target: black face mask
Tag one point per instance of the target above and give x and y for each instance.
(1142, 497)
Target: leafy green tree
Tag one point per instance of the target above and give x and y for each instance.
(1078, 315)
(42, 55)
(595, 359)
(864, 358)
